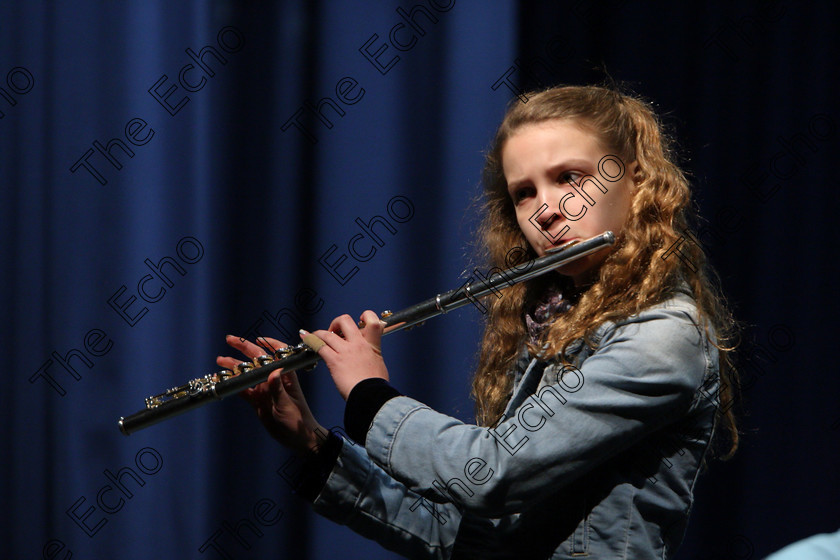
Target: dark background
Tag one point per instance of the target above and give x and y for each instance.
(747, 89)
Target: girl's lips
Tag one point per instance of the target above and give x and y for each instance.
(560, 244)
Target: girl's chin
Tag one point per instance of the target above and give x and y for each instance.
(583, 271)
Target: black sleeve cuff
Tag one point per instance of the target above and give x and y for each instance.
(317, 467)
(363, 402)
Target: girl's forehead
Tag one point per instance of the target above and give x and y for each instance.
(555, 135)
(551, 124)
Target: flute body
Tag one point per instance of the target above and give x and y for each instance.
(219, 385)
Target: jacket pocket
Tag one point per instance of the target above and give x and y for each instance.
(580, 538)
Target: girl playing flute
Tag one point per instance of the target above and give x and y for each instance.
(599, 387)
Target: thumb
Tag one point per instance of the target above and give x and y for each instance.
(373, 330)
(292, 385)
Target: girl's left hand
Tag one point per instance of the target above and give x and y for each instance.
(352, 355)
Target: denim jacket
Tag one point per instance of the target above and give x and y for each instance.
(598, 460)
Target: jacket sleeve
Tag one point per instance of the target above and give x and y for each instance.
(645, 374)
(362, 496)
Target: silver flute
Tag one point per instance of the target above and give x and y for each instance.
(217, 386)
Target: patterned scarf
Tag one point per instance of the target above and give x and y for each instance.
(545, 312)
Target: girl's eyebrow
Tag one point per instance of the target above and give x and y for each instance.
(569, 163)
(562, 164)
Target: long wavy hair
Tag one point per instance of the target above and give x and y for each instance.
(634, 276)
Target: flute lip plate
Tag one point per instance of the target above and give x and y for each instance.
(563, 246)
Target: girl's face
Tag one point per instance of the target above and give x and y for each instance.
(540, 161)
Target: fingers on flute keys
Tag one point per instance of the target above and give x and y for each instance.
(264, 346)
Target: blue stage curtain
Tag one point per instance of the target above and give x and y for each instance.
(215, 210)
(174, 172)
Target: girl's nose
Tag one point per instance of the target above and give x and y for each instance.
(551, 210)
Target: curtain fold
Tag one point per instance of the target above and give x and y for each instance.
(161, 188)
(172, 173)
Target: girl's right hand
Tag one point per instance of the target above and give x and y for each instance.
(278, 401)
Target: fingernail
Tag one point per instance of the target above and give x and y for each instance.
(303, 333)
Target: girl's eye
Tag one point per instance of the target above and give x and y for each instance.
(522, 193)
(569, 177)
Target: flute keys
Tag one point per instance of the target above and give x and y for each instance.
(281, 353)
(384, 315)
(287, 351)
(242, 367)
(263, 360)
(196, 386)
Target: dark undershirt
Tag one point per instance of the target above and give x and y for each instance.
(363, 402)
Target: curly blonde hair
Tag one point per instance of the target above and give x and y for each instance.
(633, 277)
